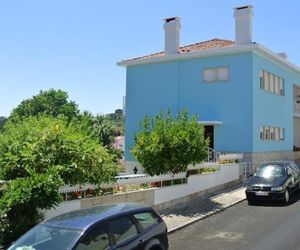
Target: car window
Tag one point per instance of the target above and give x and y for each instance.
(267, 171)
(122, 229)
(97, 239)
(43, 237)
(146, 219)
(294, 166)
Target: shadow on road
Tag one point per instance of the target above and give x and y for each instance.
(192, 209)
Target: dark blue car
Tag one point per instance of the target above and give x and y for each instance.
(274, 181)
(114, 226)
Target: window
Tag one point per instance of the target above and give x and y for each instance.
(271, 133)
(281, 134)
(216, 74)
(122, 229)
(96, 239)
(271, 83)
(146, 219)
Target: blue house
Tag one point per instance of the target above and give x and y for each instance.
(247, 96)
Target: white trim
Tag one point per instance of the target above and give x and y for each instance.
(255, 47)
(210, 122)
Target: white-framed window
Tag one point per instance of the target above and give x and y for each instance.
(271, 133)
(271, 83)
(216, 74)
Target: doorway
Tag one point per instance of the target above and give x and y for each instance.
(209, 133)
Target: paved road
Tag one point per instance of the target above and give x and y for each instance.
(260, 227)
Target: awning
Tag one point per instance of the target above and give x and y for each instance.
(210, 122)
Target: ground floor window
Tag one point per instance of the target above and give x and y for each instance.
(272, 133)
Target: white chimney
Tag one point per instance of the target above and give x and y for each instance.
(172, 27)
(243, 24)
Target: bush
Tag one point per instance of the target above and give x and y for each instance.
(21, 201)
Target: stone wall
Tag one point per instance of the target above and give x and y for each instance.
(142, 196)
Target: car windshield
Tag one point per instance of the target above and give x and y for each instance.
(43, 237)
(268, 171)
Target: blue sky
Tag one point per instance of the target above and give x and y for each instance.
(74, 45)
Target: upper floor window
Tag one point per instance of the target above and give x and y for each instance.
(271, 133)
(216, 74)
(271, 83)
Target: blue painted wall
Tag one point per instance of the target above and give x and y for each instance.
(179, 84)
(270, 109)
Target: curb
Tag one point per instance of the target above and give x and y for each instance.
(206, 215)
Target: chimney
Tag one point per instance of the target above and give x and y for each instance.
(171, 27)
(243, 24)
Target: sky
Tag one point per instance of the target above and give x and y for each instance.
(74, 45)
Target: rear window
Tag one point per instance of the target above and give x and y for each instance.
(146, 219)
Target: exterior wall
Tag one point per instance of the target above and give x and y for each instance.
(197, 183)
(270, 109)
(142, 196)
(149, 89)
(179, 84)
(163, 197)
(260, 157)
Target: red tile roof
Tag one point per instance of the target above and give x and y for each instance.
(212, 44)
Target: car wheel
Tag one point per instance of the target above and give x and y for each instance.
(250, 202)
(286, 196)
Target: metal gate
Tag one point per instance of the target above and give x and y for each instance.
(245, 170)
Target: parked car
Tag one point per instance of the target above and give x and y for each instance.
(115, 226)
(274, 181)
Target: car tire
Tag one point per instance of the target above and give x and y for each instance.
(250, 202)
(286, 196)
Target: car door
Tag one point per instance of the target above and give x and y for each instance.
(124, 234)
(292, 178)
(151, 232)
(297, 172)
(96, 238)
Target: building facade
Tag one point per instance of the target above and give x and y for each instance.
(247, 97)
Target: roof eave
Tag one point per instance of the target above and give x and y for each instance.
(193, 54)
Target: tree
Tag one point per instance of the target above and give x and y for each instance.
(169, 145)
(2, 122)
(39, 143)
(51, 103)
(37, 156)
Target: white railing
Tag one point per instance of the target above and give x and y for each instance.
(212, 155)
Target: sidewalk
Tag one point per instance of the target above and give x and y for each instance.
(184, 214)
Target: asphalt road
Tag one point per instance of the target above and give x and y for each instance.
(265, 226)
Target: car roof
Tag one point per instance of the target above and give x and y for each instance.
(84, 218)
(279, 163)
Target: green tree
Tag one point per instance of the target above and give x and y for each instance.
(39, 143)
(169, 145)
(21, 201)
(38, 155)
(51, 103)
(2, 122)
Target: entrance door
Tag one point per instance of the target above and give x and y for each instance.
(209, 133)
